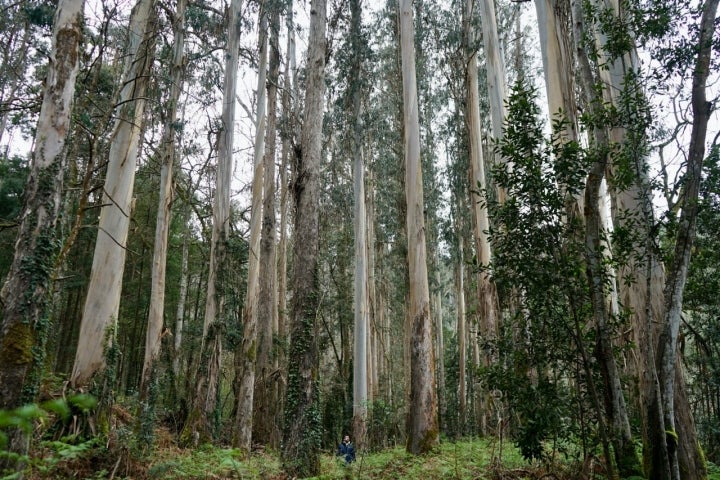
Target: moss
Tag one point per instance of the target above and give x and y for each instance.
(629, 463)
(429, 440)
(252, 352)
(17, 345)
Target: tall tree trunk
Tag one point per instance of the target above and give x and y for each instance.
(440, 355)
(372, 292)
(198, 427)
(667, 361)
(182, 298)
(487, 292)
(162, 225)
(495, 65)
(461, 332)
(361, 330)
(302, 430)
(643, 279)
(287, 133)
(246, 355)
(265, 401)
(422, 432)
(24, 294)
(625, 457)
(102, 303)
(556, 48)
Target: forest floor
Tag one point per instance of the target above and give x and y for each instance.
(119, 457)
(451, 460)
(465, 459)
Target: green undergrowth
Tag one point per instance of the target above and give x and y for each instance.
(116, 457)
(208, 462)
(476, 459)
(466, 459)
(713, 471)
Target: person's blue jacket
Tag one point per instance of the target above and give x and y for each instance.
(347, 451)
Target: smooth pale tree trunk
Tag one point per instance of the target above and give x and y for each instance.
(487, 293)
(377, 359)
(461, 333)
(198, 427)
(24, 294)
(361, 321)
(102, 302)
(667, 361)
(164, 216)
(302, 429)
(265, 401)
(288, 95)
(182, 298)
(556, 49)
(623, 448)
(247, 354)
(440, 352)
(495, 66)
(488, 306)
(422, 434)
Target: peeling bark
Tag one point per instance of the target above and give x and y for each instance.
(422, 433)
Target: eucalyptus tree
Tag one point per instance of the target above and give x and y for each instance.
(384, 162)
(266, 395)
(162, 225)
(102, 302)
(287, 133)
(24, 294)
(422, 424)
(247, 354)
(641, 276)
(557, 58)
(301, 434)
(620, 434)
(361, 324)
(207, 378)
(487, 293)
(667, 354)
(495, 65)
(461, 329)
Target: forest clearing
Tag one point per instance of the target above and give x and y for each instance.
(446, 239)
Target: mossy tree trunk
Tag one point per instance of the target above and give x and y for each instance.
(265, 430)
(626, 459)
(24, 295)
(246, 354)
(162, 225)
(303, 427)
(667, 358)
(199, 426)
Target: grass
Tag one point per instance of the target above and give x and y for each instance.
(478, 459)
(465, 459)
